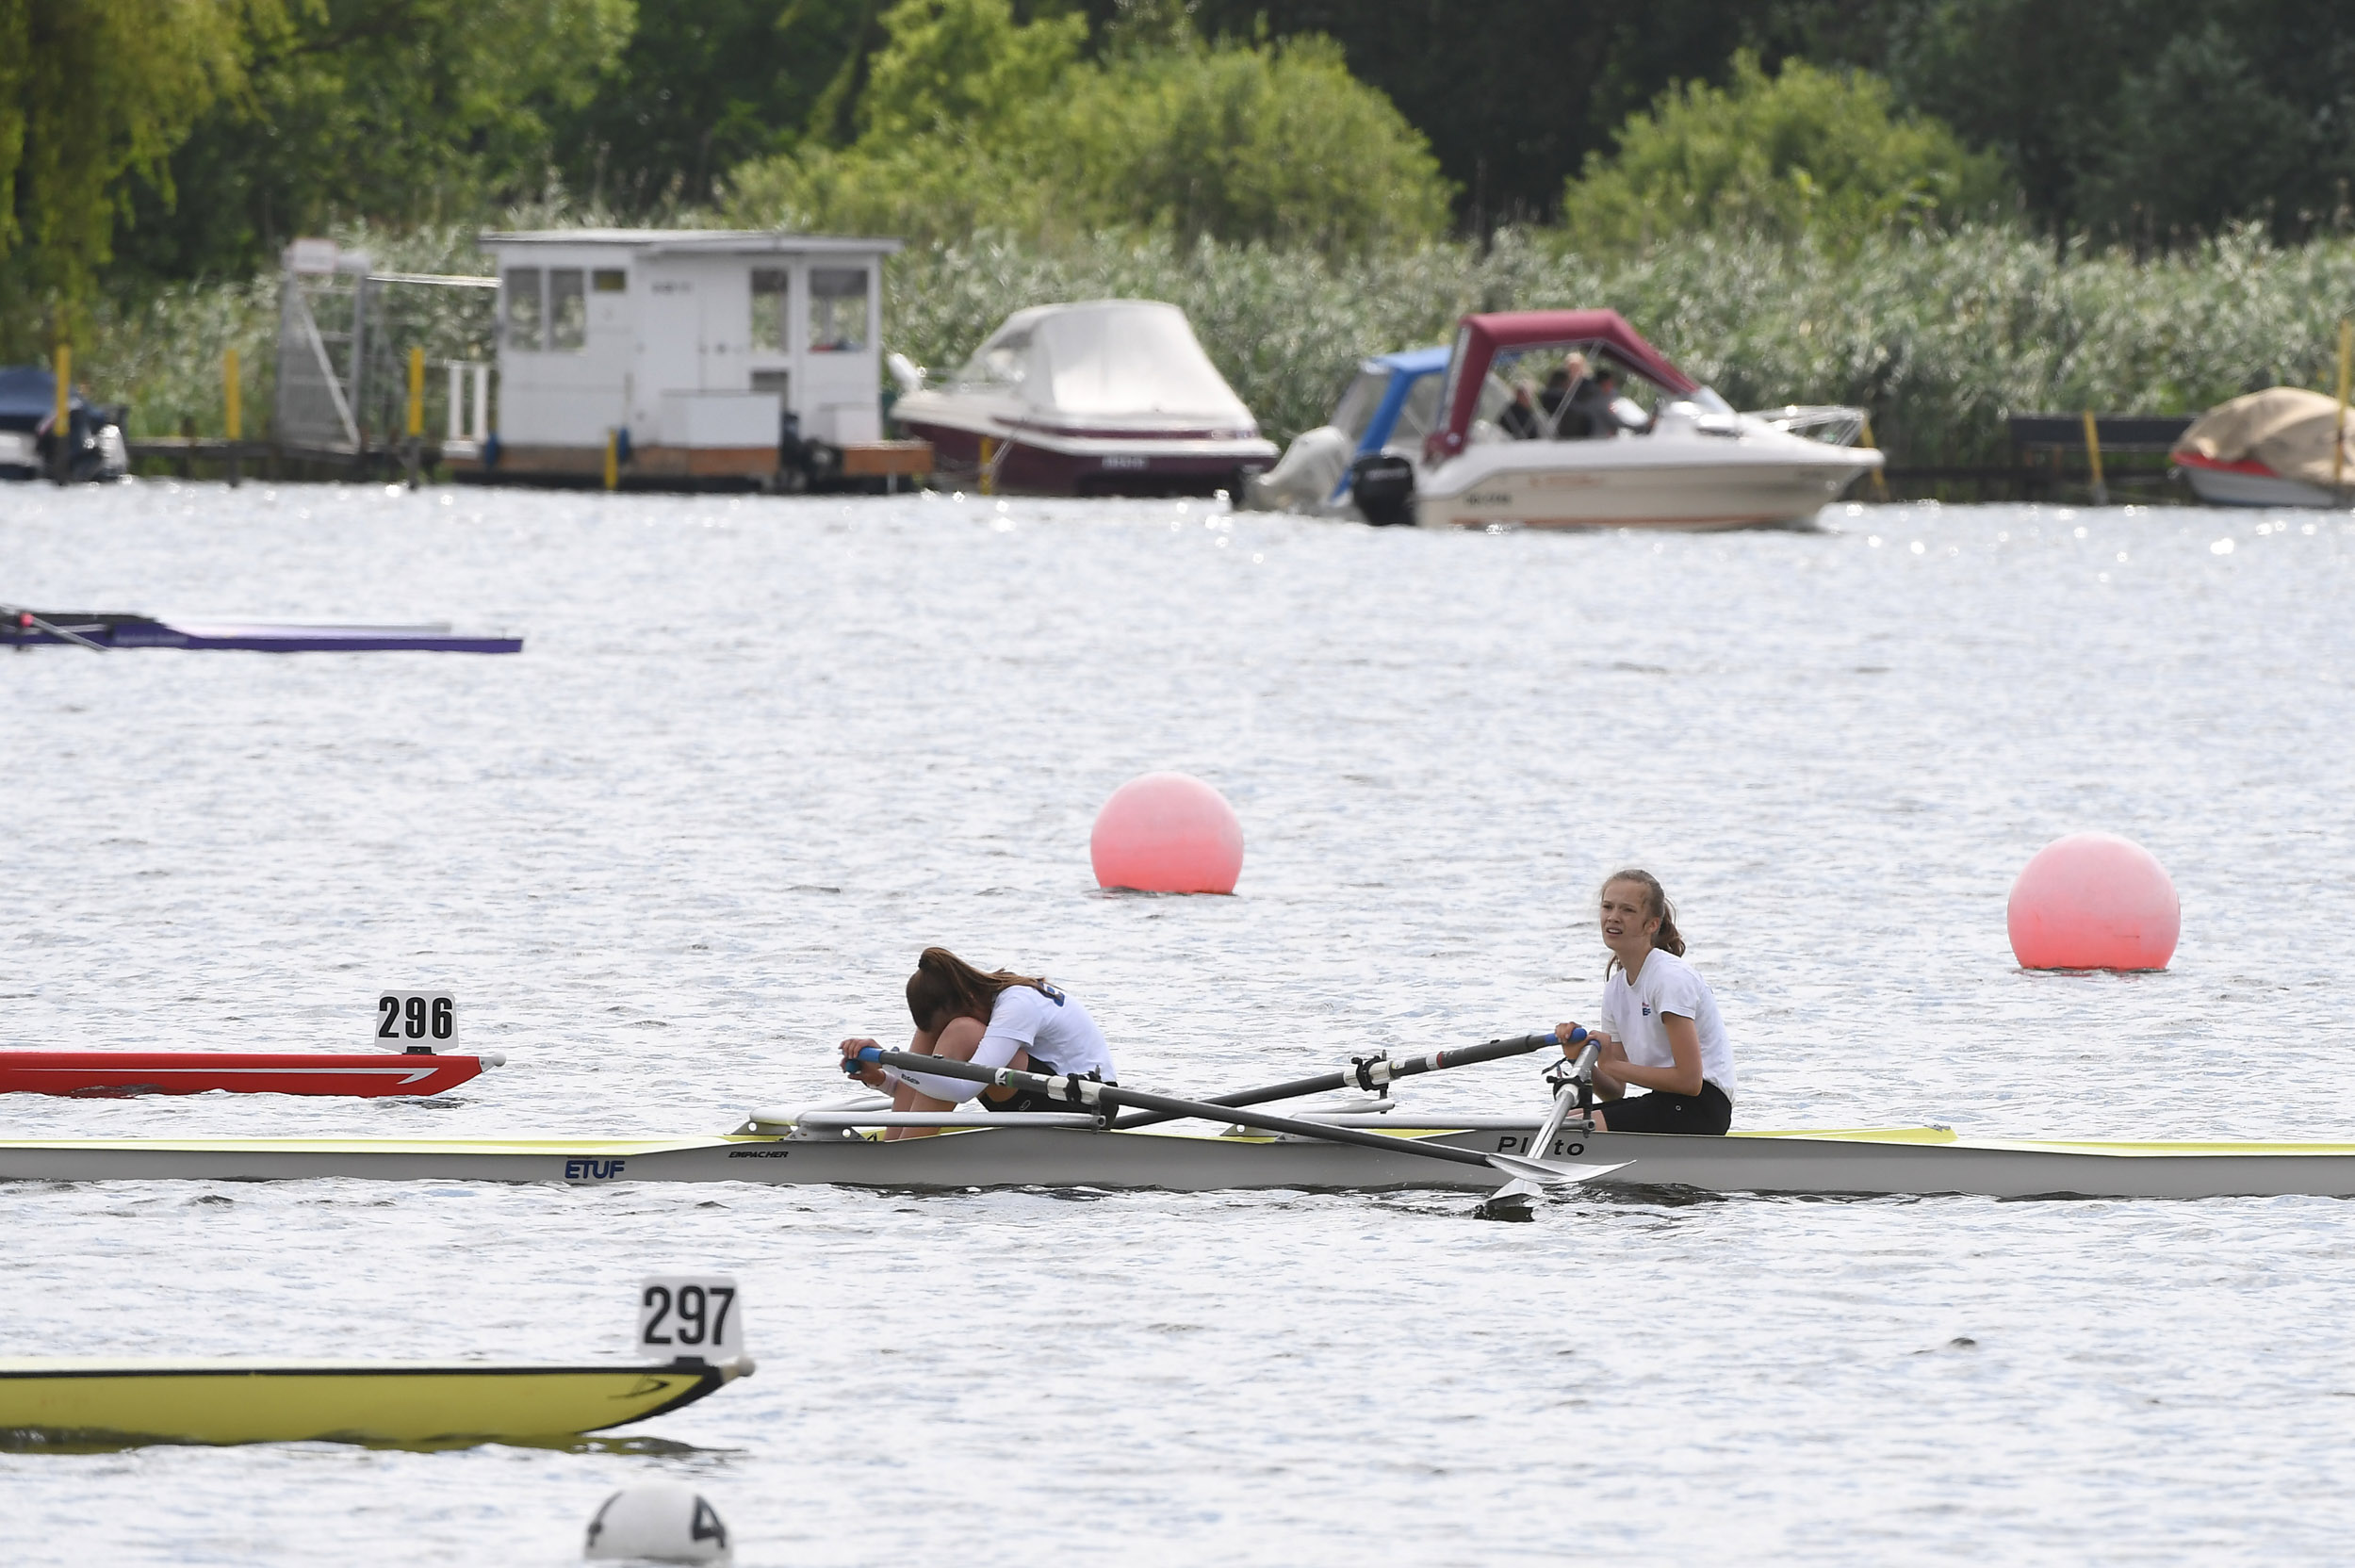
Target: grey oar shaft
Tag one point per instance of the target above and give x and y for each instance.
(1324, 1082)
(27, 618)
(1087, 1091)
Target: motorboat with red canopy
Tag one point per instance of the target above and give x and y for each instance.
(1496, 458)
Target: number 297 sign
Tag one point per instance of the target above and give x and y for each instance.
(417, 1021)
(689, 1316)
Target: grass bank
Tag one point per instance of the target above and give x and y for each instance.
(1937, 335)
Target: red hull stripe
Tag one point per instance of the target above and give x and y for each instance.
(2246, 465)
(110, 1074)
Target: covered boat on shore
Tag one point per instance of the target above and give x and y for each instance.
(2274, 448)
(1112, 397)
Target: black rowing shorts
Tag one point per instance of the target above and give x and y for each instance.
(1708, 1113)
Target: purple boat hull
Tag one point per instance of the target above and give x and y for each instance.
(22, 629)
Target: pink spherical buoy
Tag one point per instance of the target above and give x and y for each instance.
(1168, 833)
(2094, 901)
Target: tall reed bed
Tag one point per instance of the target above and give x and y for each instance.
(1940, 336)
(1937, 335)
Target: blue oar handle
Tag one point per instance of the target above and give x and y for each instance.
(1577, 1035)
(869, 1056)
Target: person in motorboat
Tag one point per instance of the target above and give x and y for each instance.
(1519, 419)
(1661, 1029)
(1592, 415)
(993, 1018)
(1561, 386)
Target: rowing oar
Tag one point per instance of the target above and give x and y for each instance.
(1096, 1095)
(26, 619)
(1370, 1073)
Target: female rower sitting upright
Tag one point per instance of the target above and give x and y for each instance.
(999, 1019)
(1661, 1029)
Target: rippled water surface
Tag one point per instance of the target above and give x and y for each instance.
(759, 751)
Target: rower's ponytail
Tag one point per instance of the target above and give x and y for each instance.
(1656, 906)
(946, 983)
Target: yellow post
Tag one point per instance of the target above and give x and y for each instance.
(989, 475)
(416, 393)
(61, 459)
(2338, 447)
(233, 412)
(1880, 485)
(613, 460)
(2093, 455)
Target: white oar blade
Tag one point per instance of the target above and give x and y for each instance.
(1546, 1173)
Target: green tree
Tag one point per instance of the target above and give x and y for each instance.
(963, 68)
(1805, 151)
(395, 111)
(972, 120)
(2147, 120)
(93, 93)
(705, 84)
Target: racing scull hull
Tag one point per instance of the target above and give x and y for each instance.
(1911, 1162)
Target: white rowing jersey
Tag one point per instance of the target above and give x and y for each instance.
(1667, 985)
(1050, 1025)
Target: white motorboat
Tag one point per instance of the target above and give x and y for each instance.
(2269, 448)
(1111, 397)
(1690, 462)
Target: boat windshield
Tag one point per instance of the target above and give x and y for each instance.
(998, 366)
(1495, 396)
(1420, 412)
(1358, 405)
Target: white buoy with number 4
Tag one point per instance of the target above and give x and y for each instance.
(657, 1521)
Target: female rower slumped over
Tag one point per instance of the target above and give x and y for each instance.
(997, 1018)
(1660, 1030)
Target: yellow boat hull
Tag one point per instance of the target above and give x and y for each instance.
(226, 1401)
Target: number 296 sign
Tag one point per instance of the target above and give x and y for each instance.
(417, 1021)
(689, 1316)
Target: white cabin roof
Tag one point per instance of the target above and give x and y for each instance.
(725, 242)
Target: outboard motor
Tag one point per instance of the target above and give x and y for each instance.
(1383, 484)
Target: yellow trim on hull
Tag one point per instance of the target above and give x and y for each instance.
(583, 1147)
(227, 1401)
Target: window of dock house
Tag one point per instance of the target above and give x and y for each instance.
(520, 294)
(770, 285)
(568, 309)
(609, 280)
(838, 309)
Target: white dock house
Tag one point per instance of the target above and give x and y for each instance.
(688, 355)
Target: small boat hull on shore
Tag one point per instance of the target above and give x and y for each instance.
(1901, 1162)
(2246, 483)
(118, 1403)
(124, 1075)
